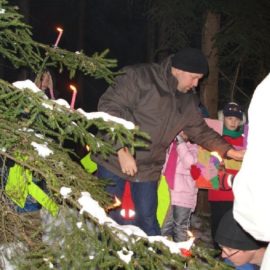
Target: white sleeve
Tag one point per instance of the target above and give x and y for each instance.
(252, 184)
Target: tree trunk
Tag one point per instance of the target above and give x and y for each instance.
(209, 89)
(209, 93)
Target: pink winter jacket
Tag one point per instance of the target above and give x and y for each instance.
(185, 191)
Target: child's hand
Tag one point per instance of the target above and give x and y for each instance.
(236, 154)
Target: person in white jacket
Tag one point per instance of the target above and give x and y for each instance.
(252, 184)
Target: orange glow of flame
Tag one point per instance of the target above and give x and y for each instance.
(59, 29)
(87, 147)
(72, 88)
(116, 204)
(190, 234)
(216, 154)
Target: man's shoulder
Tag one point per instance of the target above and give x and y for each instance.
(141, 72)
(142, 67)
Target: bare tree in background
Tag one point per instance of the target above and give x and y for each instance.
(209, 90)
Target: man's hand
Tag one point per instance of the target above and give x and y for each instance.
(127, 162)
(236, 154)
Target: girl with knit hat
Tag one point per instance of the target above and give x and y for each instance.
(221, 200)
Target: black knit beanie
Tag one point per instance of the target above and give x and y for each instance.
(230, 234)
(190, 60)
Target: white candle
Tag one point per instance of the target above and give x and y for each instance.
(74, 94)
(60, 30)
(51, 93)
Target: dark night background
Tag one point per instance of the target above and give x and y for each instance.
(122, 26)
(106, 24)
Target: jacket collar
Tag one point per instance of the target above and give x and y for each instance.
(166, 66)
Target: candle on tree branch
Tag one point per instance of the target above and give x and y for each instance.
(60, 33)
(74, 94)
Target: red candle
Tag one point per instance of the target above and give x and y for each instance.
(74, 94)
(60, 30)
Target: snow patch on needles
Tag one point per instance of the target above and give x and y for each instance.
(62, 102)
(47, 106)
(79, 225)
(125, 255)
(107, 117)
(65, 192)
(42, 149)
(92, 207)
(27, 84)
(128, 231)
(173, 246)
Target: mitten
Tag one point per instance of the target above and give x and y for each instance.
(195, 171)
(225, 180)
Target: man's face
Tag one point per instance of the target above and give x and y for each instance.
(236, 256)
(186, 80)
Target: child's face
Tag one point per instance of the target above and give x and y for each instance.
(231, 122)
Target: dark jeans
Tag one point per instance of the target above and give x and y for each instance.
(177, 223)
(218, 209)
(144, 195)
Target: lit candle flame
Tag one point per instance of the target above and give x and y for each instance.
(116, 204)
(72, 87)
(87, 147)
(59, 29)
(190, 234)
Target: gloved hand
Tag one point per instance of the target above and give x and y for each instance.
(195, 171)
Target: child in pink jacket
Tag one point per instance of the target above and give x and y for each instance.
(183, 190)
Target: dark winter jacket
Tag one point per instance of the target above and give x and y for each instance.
(146, 95)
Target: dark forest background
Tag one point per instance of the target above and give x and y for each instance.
(234, 35)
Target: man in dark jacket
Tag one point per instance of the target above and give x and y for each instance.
(157, 98)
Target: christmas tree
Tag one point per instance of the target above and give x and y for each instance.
(72, 230)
